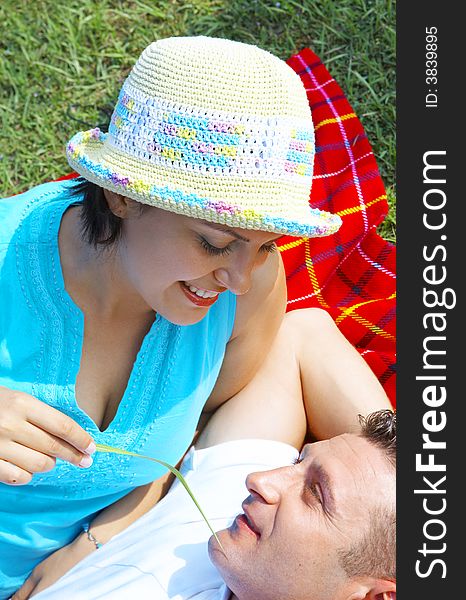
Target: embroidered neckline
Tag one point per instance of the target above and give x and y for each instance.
(45, 291)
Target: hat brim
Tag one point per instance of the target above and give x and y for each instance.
(214, 196)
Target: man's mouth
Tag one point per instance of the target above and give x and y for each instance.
(245, 522)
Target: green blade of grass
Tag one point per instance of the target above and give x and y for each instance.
(176, 473)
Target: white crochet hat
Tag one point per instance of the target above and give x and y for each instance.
(212, 129)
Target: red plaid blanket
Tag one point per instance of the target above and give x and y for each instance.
(352, 273)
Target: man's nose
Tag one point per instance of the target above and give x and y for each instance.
(267, 484)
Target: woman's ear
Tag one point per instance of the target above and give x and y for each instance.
(121, 206)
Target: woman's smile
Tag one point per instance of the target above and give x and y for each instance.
(199, 296)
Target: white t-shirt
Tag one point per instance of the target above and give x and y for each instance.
(163, 555)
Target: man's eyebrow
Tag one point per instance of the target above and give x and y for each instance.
(225, 229)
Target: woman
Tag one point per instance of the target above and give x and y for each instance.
(148, 294)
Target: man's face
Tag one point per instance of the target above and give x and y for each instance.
(297, 518)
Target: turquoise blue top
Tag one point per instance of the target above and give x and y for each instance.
(41, 335)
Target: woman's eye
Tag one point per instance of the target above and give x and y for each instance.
(296, 461)
(214, 250)
(269, 247)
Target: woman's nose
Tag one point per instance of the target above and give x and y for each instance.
(236, 276)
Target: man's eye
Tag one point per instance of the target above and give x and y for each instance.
(297, 460)
(314, 488)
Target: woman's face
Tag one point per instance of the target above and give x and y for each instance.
(178, 265)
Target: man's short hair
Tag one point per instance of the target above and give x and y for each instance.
(374, 554)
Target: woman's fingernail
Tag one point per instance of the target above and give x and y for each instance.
(86, 462)
(91, 448)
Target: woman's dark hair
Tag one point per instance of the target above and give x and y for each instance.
(100, 227)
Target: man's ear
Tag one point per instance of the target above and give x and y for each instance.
(121, 206)
(376, 589)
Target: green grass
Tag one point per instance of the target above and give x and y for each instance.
(63, 63)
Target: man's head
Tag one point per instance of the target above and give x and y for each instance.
(323, 528)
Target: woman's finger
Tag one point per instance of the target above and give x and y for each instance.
(12, 474)
(27, 459)
(50, 445)
(55, 422)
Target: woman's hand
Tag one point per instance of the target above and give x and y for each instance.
(53, 567)
(33, 435)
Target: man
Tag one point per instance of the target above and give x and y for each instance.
(324, 528)
(321, 528)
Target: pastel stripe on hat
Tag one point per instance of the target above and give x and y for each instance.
(192, 204)
(145, 126)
